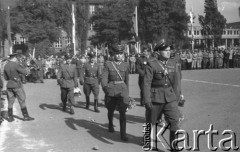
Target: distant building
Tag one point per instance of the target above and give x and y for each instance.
(230, 35)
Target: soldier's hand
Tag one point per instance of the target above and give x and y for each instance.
(149, 105)
(81, 83)
(58, 81)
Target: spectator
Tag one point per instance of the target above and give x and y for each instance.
(226, 59)
(220, 60)
(183, 58)
(194, 59)
(199, 59)
(211, 56)
(189, 60)
(205, 59)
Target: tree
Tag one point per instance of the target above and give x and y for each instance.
(213, 23)
(35, 20)
(162, 19)
(113, 21)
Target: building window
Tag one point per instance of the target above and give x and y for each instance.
(92, 9)
(190, 32)
(2, 43)
(224, 32)
(58, 44)
(22, 40)
(197, 32)
(197, 42)
(229, 32)
(68, 41)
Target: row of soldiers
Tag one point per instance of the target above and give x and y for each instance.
(159, 82)
(198, 59)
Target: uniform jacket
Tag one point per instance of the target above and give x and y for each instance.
(159, 88)
(110, 79)
(90, 74)
(67, 76)
(12, 70)
(141, 64)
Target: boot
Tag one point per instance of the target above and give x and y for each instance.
(110, 125)
(173, 136)
(1, 119)
(123, 130)
(87, 102)
(64, 108)
(10, 115)
(96, 105)
(71, 110)
(26, 116)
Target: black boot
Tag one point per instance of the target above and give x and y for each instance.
(26, 116)
(71, 110)
(123, 130)
(64, 107)
(10, 115)
(87, 102)
(173, 146)
(96, 105)
(110, 125)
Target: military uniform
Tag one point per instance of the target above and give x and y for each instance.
(39, 63)
(91, 77)
(140, 68)
(162, 89)
(116, 90)
(67, 79)
(12, 71)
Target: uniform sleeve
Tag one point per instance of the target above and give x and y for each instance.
(127, 75)
(99, 74)
(75, 75)
(147, 81)
(82, 72)
(59, 74)
(177, 81)
(139, 69)
(104, 80)
(21, 70)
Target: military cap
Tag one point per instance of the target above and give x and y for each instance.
(91, 54)
(13, 55)
(161, 46)
(117, 49)
(67, 57)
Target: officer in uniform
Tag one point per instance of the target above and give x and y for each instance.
(161, 88)
(67, 79)
(115, 78)
(39, 64)
(141, 64)
(90, 79)
(12, 71)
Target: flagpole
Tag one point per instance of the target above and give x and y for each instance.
(73, 28)
(9, 31)
(136, 21)
(191, 21)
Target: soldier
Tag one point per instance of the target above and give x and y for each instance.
(90, 79)
(39, 64)
(114, 81)
(67, 79)
(140, 68)
(12, 71)
(162, 90)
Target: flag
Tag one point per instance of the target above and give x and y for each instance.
(191, 17)
(9, 30)
(135, 21)
(73, 29)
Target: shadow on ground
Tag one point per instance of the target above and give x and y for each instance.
(100, 131)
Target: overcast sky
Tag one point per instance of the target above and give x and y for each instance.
(228, 8)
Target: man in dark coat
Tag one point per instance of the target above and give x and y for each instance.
(115, 78)
(161, 88)
(90, 79)
(39, 69)
(67, 79)
(141, 64)
(12, 71)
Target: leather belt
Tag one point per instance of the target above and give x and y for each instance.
(91, 77)
(117, 82)
(161, 86)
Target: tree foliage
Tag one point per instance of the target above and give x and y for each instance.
(213, 22)
(113, 21)
(2, 24)
(162, 19)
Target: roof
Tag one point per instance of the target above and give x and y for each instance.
(233, 25)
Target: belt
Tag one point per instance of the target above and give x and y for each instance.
(91, 77)
(69, 79)
(161, 86)
(117, 82)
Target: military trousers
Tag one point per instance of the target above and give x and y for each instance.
(14, 93)
(112, 103)
(88, 88)
(170, 111)
(140, 84)
(67, 94)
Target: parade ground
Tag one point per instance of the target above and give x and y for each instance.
(212, 103)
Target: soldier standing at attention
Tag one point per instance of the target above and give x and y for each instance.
(12, 71)
(140, 69)
(162, 90)
(67, 79)
(90, 79)
(115, 78)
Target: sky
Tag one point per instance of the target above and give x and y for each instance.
(228, 8)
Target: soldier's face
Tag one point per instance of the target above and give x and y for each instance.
(166, 53)
(118, 57)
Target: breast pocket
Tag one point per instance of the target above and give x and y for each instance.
(158, 75)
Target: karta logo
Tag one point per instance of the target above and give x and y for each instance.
(152, 136)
